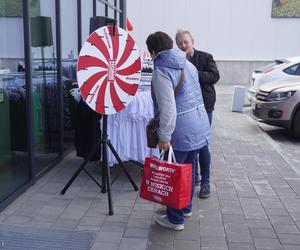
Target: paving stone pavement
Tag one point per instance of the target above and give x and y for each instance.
(254, 203)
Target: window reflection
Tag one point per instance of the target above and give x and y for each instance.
(69, 43)
(44, 87)
(111, 13)
(100, 9)
(14, 170)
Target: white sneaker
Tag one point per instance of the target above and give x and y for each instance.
(162, 210)
(187, 214)
(164, 222)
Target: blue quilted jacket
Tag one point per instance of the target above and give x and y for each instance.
(186, 124)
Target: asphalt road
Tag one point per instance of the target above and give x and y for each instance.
(285, 143)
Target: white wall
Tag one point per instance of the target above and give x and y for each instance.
(12, 43)
(229, 29)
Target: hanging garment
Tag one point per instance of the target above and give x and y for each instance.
(87, 131)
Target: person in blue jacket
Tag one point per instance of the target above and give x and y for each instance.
(183, 121)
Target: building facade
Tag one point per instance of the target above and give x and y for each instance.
(39, 46)
(241, 35)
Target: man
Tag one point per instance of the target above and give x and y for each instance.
(208, 76)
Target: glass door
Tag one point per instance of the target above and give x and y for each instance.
(14, 167)
(69, 49)
(44, 84)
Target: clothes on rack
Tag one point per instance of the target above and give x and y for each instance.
(70, 104)
(46, 110)
(69, 83)
(44, 106)
(69, 69)
(15, 95)
(127, 129)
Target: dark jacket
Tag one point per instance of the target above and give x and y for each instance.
(208, 76)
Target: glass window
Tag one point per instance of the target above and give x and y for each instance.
(44, 85)
(119, 16)
(69, 41)
(69, 49)
(86, 14)
(270, 66)
(292, 70)
(100, 9)
(14, 167)
(111, 13)
(298, 72)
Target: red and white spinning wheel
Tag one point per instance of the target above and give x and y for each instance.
(108, 70)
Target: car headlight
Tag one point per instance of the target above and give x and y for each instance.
(279, 96)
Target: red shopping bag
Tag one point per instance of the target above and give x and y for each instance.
(167, 183)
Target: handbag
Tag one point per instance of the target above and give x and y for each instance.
(167, 182)
(152, 126)
(151, 129)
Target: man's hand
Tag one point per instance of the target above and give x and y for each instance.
(163, 145)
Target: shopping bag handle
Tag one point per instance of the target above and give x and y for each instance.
(171, 155)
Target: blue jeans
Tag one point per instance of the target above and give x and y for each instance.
(175, 216)
(204, 160)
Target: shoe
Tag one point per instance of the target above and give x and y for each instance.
(204, 191)
(164, 222)
(187, 214)
(161, 209)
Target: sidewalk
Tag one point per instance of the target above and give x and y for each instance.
(254, 203)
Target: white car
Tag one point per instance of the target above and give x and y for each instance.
(277, 103)
(277, 70)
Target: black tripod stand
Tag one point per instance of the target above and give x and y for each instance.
(106, 182)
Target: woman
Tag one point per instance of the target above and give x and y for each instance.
(183, 120)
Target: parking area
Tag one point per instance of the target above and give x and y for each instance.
(283, 140)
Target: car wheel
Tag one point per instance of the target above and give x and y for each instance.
(296, 124)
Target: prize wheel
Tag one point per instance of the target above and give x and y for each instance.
(108, 70)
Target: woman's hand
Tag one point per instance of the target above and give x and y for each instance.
(164, 145)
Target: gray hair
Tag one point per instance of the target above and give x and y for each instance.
(181, 32)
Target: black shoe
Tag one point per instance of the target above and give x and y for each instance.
(204, 191)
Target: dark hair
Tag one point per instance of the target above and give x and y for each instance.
(158, 42)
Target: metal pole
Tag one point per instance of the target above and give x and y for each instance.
(59, 78)
(105, 168)
(79, 24)
(94, 8)
(28, 79)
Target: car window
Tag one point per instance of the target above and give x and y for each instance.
(298, 71)
(293, 70)
(269, 66)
